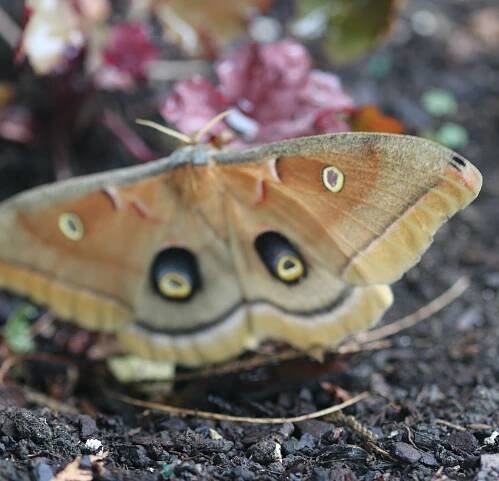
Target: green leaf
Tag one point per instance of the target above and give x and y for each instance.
(353, 26)
(17, 329)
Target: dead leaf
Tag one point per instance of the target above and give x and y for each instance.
(352, 27)
(73, 472)
(202, 27)
(370, 119)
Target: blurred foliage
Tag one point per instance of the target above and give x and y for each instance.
(17, 329)
(201, 27)
(369, 118)
(350, 28)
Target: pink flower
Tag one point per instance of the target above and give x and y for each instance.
(193, 103)
(273, 94)
(126, 55)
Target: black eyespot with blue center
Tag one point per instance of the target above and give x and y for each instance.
(175, 274)
(280, 257)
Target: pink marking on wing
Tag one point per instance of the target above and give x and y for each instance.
(332, 177)
(115, 197)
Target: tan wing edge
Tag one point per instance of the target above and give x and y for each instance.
(83, 307)
(381, 261)
(363, 308)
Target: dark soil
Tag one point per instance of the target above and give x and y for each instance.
(434, 402)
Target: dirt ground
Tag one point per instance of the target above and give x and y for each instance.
(434, 393)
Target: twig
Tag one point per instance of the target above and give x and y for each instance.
(184, 412)
(353, 347)
(9, 30)
(356, 426)
(41, 399)
(450, 425)
(255, 362)
(11, 361)
(422, 313)
(382, 452)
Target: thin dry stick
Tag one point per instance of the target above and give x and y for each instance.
(260, 360)
(353, 347)
(450, 425)
(422, 313)
(11, 361)
(184, 412)
(255, 362)
(41, 399)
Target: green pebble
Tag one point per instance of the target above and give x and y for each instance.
(379, 67)
(167, 471)
(452, 135)
(439, 102)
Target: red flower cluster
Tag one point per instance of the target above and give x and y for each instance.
(126, 55)
(273, 94)
(60, 35)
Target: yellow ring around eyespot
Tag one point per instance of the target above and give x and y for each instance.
(290, 274)
(174, 286)
(340, 179)
(71, 226)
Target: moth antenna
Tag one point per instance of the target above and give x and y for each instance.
(165, 130)
(209, 125)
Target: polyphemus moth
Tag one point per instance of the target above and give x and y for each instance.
(200, 255)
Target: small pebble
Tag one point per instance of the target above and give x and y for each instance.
(424, 23)
(214, 434)
(489, 467)
(452, 135)
(463, 441)
(243, 473)
(429, 460)
(43, 472)
(406, 453)
(266, 452)
(439, 102)
(85, 463)
(306, 441)
(489, 441)
(93, 445)
(88, 427)
(315, 427)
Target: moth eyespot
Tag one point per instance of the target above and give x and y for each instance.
(290, 268)
(175, 286)
(175, 274)
(71, 226)
(280, 257)
(332, 178)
